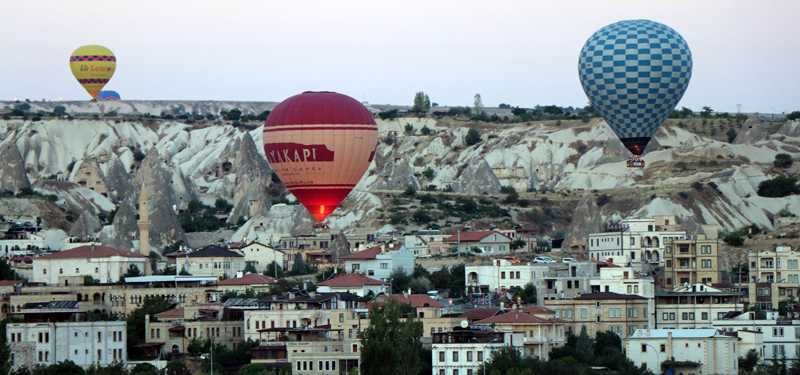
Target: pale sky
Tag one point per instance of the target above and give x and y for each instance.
(521, 52)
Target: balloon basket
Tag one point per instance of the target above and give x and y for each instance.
(636, 162)
(320, 226)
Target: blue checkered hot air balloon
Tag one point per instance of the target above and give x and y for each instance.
(108, 95)
(634, 73)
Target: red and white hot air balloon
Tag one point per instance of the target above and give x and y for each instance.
(320, 144)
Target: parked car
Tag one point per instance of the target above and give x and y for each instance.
(567, 260)
(543, 260)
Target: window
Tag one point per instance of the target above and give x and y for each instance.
(469, 356)
(584, 313)
(99, 337)
(614, 312)
(705, 249)
(384, 266)
(455, 356)
(663, 348)
(480, 356)
(705, 263)
(455, 371)
(703, 316)
(777, 332)
(632, 312)
(441, 357)
(644, 348)
(502, 275)
(791, 264)
(60, 271)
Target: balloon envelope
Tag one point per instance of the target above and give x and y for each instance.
(320, 144)
(634, 73)
(108, 95)
(93, 66)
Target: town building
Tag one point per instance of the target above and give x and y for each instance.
(639, 243)
(261, 255)
(691, 261)
(379, 263)
(694, 306)
(104, 264)
(539, 336)
(355, 283)
(421, 241)
(17, 243)
(780, 336)
(603, 312)
(213, 260)
(173, 330)
(251, 282)
(7, 288)
(464, 351)
(309, 351)
(683, 351)
(554, 280)
(626, 280)
(53, 332)
(479, 243)
(774, 276)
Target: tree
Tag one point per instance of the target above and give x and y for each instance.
(526, 295)
(59, 110)
(749, 361)
(420, 285)
(428, 173)
(473, 137)
(250, 267)
(232, 115)
(274, 270)
(135, 327)
(6, 272)
(133, 271)
(780, 186)
(5, 351)
(410, 191)
(422, 103)
(517, 244)
(400, 281)
(176, 367)
(144, 369)
(477, 105)
(731, 134)
(782, 161)
(706, 112)
(116, 368)
(408, 129)
(425, 130)
(793, 116)
(391, 345)
(421, 217)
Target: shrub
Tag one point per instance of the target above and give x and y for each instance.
(793, 116)
(473, 137)
(429, 173)
(388, 115)
(731, 134)
(777, 187)
(425, 130)
(782, 161)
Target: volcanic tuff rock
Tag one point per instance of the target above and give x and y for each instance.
(13, 177)
(477, 178)
(396, 174)
(254, 188)
(118, 180)
(86, 226)
(154, 176)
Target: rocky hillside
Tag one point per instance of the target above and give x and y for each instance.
(570, 175)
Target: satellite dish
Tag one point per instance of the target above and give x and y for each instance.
(464, 324)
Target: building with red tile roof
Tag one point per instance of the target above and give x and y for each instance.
(485, 242)
(251, 281)
(103, 263)
(379, 263)
(353, 283)
(367, 254)
(540, 335)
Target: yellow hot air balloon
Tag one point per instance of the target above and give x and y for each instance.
(93, 67)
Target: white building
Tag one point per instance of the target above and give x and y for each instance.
(479, 242)
(378, 263)
(780, 337)
(502, 273)
(637, 242)
(261, 255)
(54, 337)
(68, 267)
(419, 243)
(625, 280)
(213, 260)
(691, 351)
(355, 283)
(694, 306)
(21, 243)
(463, 352)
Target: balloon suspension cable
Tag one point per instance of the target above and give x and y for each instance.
(636, 162)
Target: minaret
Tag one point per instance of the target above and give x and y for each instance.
(144, 226)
